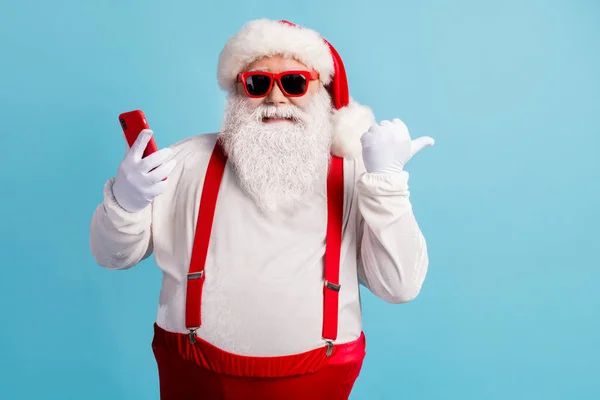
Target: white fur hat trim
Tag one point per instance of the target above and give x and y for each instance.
(264, 37)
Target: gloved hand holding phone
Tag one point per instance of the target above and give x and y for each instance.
(139, 180)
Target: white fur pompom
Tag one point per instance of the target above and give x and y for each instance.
(349, 124)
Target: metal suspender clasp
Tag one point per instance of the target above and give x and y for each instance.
(192, 334)
(329, 348)
(192, 331)
(333, 286)
(336, 288)
(195, 275)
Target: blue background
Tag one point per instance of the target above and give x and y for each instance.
(507, 199)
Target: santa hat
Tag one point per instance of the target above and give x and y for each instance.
(264, 37)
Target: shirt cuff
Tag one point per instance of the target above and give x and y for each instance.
(374, 184)
(116, 212)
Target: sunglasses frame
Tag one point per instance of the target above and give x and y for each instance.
(276, 77)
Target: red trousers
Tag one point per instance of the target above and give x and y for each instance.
(202, 371)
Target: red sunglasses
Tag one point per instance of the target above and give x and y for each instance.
(292, 83)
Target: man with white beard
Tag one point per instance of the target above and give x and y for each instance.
(265, 230)
(280, 151)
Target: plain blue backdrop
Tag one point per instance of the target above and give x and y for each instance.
(507, 198)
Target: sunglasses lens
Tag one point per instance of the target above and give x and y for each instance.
(258, 85)
(294, 84)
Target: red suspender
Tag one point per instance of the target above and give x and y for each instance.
(206, 213)
(333, 245)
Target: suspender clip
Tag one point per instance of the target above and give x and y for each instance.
(329, 348)
(333, 286)
(192, 335)
(195, 275)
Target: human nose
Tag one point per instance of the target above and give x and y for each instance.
(276, 96)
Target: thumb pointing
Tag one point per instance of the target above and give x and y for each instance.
(419, 143)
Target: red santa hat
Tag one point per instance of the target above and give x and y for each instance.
(264, 37)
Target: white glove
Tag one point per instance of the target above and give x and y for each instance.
(387, 147)
(137, 184)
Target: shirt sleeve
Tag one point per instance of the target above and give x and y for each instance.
(119, 239)
(392, 253)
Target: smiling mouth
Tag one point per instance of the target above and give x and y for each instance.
(271, 120)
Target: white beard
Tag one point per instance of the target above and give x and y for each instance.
(278, 164)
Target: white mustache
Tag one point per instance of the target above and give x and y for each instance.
(283, 112)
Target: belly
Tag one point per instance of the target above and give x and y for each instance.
(263, 317)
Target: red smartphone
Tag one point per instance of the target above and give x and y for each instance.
(133, 122)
